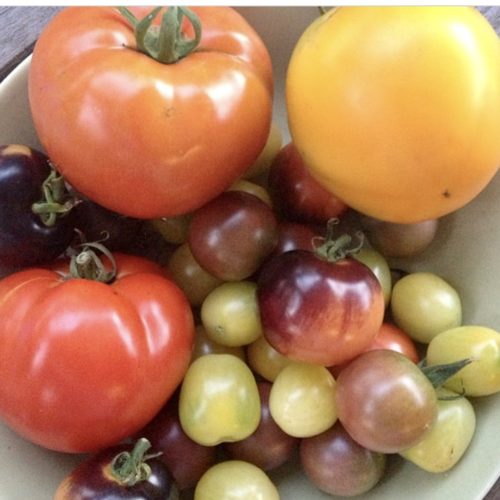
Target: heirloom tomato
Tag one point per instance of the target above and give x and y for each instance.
(157, 132)
(394, 109)
(118, 472)
(319, 309)
(85, 363)
(36, 223)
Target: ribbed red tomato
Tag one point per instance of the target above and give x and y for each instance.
(83, 363)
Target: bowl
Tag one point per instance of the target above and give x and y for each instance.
(465, 253)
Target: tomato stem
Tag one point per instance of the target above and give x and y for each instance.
(56, 201)
(166, 43)
(88, 265)
(333, 248)
(130, 467)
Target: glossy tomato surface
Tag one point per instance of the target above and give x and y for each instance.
(394, 109)
(83, 363)
(25, 239)
(317, 311)
(153, 139)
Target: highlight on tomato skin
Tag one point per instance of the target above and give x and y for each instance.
(338, 465)
(163, 144)
(296, 194)
(318, 311)
(31, 232)
(105, 350)
(407, 130)
(385, 402)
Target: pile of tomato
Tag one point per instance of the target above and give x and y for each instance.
(192, 302)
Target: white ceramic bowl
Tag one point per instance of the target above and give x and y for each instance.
(465, 253)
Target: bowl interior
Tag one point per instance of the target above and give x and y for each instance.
(464, 253)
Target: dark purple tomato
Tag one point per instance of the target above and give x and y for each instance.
(295, 236)
(384, 401)
(28, 238)
(231, 236)
(120, 472)
(338, 465)
(185, 459)
(319, 311)
(119, 232)
(269, 446)
(296, 194)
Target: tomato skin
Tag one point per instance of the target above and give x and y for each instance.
(165, 139)
(393, 338)
(93, 479)
(85, 364)
(24, 238)
(407, 130)
(450, 436)
(482, 345)
(384, 401)
(316, 311)
(297, 194)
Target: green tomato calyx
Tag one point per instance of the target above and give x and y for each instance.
(165, 43)
(130, 467)
(333, 248)
(55, 201)
(439, 374)
(87, 264)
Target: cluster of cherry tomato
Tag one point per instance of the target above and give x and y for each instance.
(306, 345)
(245, 328)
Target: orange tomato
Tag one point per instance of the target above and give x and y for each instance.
(395, 109)
(141, 137)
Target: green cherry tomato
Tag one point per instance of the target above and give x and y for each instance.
(219, 400)
(230, 314)
(482, 345)
(235, 480)
(380, 268)
(302, 399)
(424, 305)
(265, 360)
(448, 438)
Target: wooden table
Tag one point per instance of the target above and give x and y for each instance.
(20, 26)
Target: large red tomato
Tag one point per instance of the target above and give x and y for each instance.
(83, 363)
(147, 138)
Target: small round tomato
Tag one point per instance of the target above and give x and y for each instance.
(399, 240)
(219, 400)
(235, 479)
(449, 437)
(84, 363)
(302, 399)
(318, 311)
(384, 401)
(119, 473)
(231, 236)
(337, 465)
(33, 227)
(297, 195)
(481, 377)
(394, 109)
(423, 304)
(230, 314)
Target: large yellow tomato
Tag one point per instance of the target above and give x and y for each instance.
(396, 110)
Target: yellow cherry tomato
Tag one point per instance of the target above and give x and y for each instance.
(395, 109)
(449, 437)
